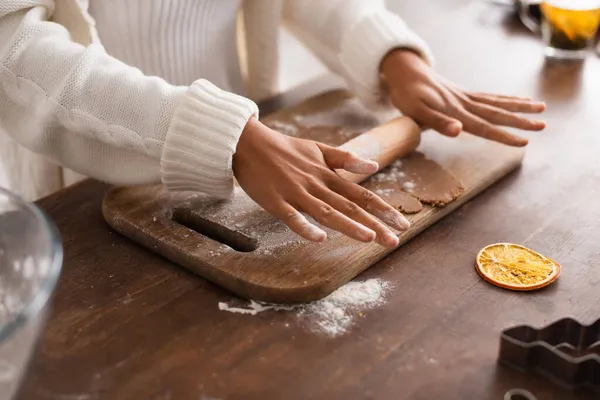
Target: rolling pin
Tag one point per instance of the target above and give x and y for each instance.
(385, 144)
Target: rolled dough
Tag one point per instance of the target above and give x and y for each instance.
(414, 180)
(429, 181)
(392, 193)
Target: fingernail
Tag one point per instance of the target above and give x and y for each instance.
(390, 239)
(312, 232)
(454, 127)
(396, 220)
(365, 234)
(522, 142)
(316, 234)
(402, 223)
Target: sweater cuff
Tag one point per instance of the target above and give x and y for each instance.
(202, 138)
(364, 47)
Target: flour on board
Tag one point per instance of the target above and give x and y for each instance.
(393, 173)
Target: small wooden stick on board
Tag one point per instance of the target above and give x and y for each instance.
(384, 144)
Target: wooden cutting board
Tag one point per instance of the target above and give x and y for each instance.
(237, 245)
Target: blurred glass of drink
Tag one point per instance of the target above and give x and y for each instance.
(568, 26)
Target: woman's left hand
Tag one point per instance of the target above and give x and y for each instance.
(420, 93)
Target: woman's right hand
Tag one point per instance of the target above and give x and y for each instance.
(287, 176)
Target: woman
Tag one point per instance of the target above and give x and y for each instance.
(85, 105)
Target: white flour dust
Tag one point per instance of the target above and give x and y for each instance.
(391, 174)
(333, 315)
(384, 192)
(409, 186)
(254, 308)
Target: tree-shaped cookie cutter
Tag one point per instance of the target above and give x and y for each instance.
(565, 351)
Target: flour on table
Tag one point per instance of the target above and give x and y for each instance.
(333, 315)
(254, 308)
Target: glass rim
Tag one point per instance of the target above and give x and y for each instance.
(38, 301)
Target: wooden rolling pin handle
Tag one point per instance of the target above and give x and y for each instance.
(384, 144)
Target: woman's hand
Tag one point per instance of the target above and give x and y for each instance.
(418, 92)
(286, 176)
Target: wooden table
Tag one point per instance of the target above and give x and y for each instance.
(129, 325)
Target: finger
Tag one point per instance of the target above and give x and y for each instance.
(457, 88)
(372, 203)
(328, 216)
(480, 127)
(499, 116)
(502, 96)
(454, 107)
(337, 158)
(441, 122)
(298, 223)
(509, 103)
(383, 235)
(513, 104)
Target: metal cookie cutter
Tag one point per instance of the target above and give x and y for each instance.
(566, 352)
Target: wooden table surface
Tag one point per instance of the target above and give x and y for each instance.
(126, 324)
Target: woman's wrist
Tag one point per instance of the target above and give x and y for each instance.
(254, 142)
(398, 58)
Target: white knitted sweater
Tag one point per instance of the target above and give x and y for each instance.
(179, 40)
(63, 96)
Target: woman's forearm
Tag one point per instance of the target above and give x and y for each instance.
(352, 37)
(101, 117)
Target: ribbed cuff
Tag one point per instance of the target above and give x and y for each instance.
(364, 47)
(202, 138)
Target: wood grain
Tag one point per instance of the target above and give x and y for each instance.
(242, 248)
(128, 325)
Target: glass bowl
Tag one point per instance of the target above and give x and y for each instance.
(30, 263)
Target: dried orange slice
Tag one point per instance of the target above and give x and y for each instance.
(515, 267)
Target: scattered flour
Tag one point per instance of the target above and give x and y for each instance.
(333, 315)
(268, 249)
(393, 173)
(408, 186)
(254, 308)
(383, 192)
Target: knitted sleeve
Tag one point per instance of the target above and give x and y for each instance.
(351, 37)
(100, 117)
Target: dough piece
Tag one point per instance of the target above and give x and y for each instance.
(391, 193)
(428, 181)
